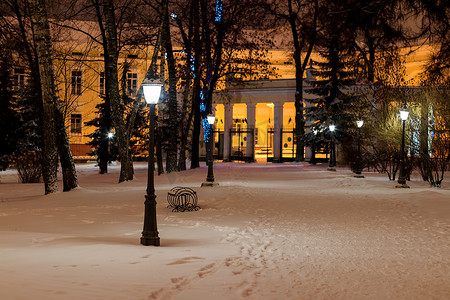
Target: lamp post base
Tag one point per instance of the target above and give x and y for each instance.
(333, 169)
(402, 186)
(210, 183)
(358, 176)
(150, 241)
(150, 233)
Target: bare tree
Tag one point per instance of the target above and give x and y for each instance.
(220, 45)
(172, 104)
(54, 138)
(302, 17)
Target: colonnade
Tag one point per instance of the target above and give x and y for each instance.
(251, 120)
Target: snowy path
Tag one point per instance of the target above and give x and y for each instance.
(267, 232)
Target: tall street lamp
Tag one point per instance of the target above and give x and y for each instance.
(209, 153)
(152, 92)
(401, 182)
(358, 167)
(332, 160)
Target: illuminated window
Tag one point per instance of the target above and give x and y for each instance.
(75, 123)
(131, 83)
(101, 84)
(76, 82)
(19, 79)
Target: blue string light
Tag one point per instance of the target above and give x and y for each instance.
(192, 65)
(219, 7)
(206, 129)
(202, 102)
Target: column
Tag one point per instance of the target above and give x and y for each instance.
(277, 126)
(227, 124)
(308, 150)
(251, 120)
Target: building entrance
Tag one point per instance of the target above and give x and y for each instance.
(286, 147)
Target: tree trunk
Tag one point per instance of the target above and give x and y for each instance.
(103, 152)
(112, 82)
(184, 140)
(104, 146)
(70, 179)
(43, 45)
(186, 123)
(195, 159)
(299, 120)
(299, 68)
(158, 144)
(187, 113)
(105, 127)
(172, 139)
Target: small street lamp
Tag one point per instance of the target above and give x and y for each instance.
(152, 92)
(313, 148)
(358, 167)
(332, 160)
(209, 153)
(401, 182)
(110, 136)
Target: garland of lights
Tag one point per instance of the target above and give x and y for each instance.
(219, 7)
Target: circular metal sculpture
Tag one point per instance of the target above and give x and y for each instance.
(182, 199)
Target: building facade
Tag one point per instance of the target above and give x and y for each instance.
(255, 119)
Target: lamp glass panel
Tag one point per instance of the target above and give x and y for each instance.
(404, 113)
(152, 93)
(211, 119)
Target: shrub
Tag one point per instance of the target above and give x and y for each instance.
(29, 167)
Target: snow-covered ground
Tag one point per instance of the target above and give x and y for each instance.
(269, 231)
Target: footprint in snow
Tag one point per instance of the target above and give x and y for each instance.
(184, 260)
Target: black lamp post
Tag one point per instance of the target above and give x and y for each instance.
(313, 149)
(110, 136)
(358, 167)
(152, 92)
(332, 160)
(209, 153)
(401, 182)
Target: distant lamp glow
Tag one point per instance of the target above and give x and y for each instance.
(360, 123)
(211, 119)
(404, 113)
(110, 135)
(332, 127)
(152, 92)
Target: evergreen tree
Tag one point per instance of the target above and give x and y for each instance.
(101, 137)
(332, 90)
(8, 115)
